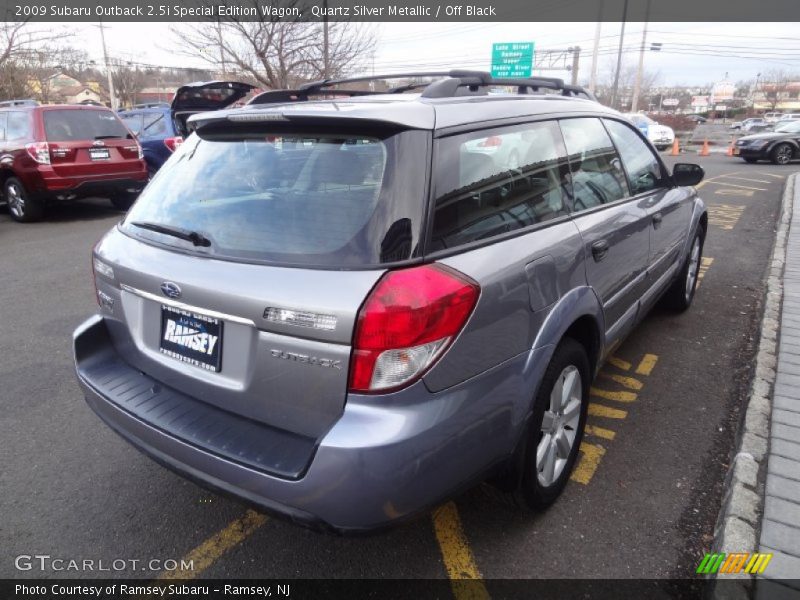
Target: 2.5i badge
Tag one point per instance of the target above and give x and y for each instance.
(191, 338)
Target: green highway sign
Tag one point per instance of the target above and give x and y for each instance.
(512, 59)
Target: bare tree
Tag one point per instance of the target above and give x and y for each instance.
(128, 81)
(277, 53)
(19, 37)
(627, 78)
(775, 86)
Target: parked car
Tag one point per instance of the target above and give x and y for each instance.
(161, 127)
(772, 117)
(291, 313)
(57, 153)
(780, 146)
(697, 118)
(754, 124)
(788, 118)
(661, 136)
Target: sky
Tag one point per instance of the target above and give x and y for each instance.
(692, 53)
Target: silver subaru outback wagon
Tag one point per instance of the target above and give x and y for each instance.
(345, 307)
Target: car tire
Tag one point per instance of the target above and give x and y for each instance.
(123, 201)
(555, 430)
(151, 171)
(781, 154)
(21, 206)
(680, 294)
(750, 160)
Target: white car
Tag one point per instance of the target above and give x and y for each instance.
(772, 117)
(660, 136)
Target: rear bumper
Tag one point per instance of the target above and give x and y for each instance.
(386, 459)
(69, 189)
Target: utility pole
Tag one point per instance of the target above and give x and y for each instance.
(325, 65)
(221, 50)
(595, 50)
(637, 87)
(576, 57)
(615, 88)
(111, 94)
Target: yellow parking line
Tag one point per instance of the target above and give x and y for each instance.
(615, 396)
(587, 465)
(628, 382)
(619, 363)
(599, 410)
(741, 187)
(647, 364)
(601, 432)
(748, 179)
(465, 579)
(218, 544)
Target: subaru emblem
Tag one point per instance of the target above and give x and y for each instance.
(98, 143)
(170, 290)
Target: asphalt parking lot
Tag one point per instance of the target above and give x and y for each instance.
(642, 502)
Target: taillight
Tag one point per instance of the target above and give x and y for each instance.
(493, 141)
(39, 151)
(406, 323)
(173, 142)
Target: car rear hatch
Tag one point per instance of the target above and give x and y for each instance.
(89, 143)
(205, 96)
(241, 269)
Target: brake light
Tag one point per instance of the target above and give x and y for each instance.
(173, 142)
(493, 141)
(39, 151)
(406, 323)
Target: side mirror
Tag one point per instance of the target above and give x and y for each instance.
(687, 174)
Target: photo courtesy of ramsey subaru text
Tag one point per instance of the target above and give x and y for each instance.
(345, 307)
(59, 153)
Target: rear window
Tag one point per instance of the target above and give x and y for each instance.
(76, 124)
(329, 200)
(133, 122)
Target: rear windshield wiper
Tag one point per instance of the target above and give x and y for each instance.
(198, 239)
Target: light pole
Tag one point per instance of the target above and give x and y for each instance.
(619, 56)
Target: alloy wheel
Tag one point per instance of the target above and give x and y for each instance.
(691, 271)
(559, 426)
(16, 200)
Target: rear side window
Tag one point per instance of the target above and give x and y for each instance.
(643, 168)
(18, 126)
(597, 175)
(492, 182)
(77, 124)
(2, 126)
(321, 199)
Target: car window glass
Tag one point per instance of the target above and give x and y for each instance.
(328, 199)
(489, 183)
(18, 126)
(2, 126)
(68, 125)
(643, 168)
(133, 122)
(597, 175)
(154, 125)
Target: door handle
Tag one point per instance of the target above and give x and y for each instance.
(599, 250)
(657, 218)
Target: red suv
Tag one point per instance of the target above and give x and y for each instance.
(59, 153)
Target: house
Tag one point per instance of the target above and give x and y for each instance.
(80, 94)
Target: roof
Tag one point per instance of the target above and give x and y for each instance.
(411, 110)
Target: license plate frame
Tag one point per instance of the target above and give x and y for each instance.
(187, 337)
(99, 154)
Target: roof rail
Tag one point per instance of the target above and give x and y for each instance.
(449, 83)
(27, 102)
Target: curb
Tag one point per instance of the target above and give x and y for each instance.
(739, 518)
